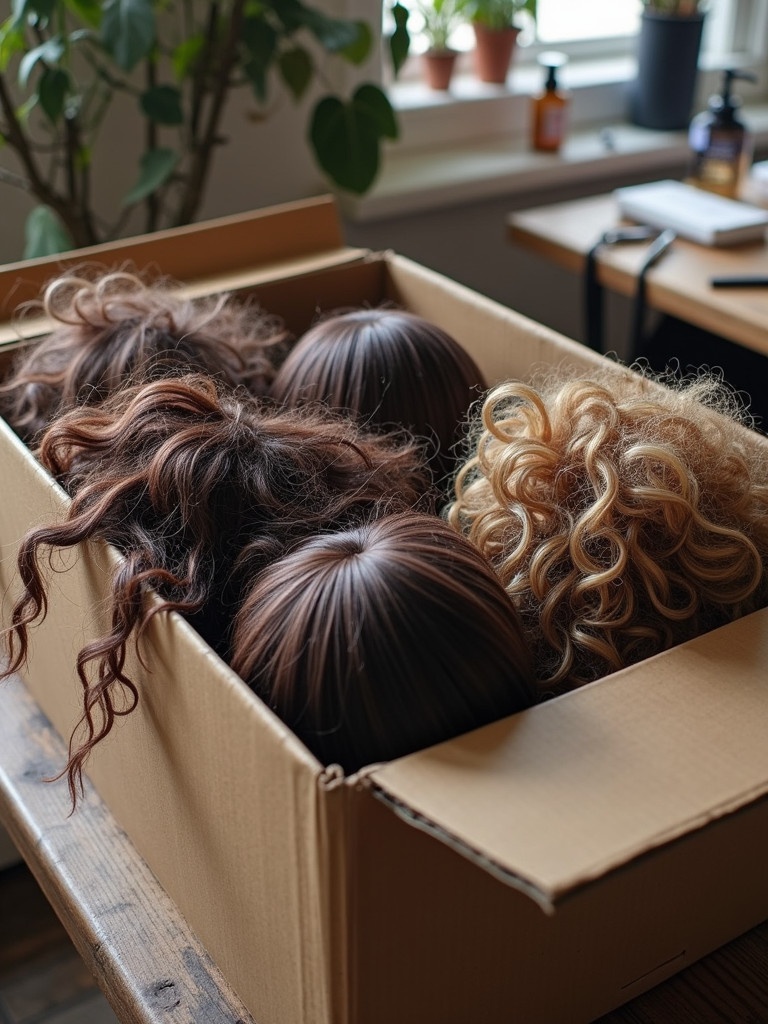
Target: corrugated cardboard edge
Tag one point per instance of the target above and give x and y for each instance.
(260, 237)
(550, 901)
(155, 754)
(675, 708)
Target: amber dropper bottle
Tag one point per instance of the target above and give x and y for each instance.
(549, 110)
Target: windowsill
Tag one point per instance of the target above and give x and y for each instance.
(472, 144)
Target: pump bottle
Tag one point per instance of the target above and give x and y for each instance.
(720, 145)
(550, 108)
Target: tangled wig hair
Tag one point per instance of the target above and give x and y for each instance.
(622, 517)
(380, 640)
(389, 368)
(115, 329)
(199, 489)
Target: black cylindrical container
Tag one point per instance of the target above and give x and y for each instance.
(667, 65)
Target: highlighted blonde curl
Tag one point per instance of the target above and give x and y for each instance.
(621, 516)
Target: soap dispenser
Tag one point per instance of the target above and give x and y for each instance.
(720, 145)
(549, 110)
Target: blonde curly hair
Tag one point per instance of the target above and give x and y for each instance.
(622, 516)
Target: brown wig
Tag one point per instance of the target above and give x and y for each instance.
(199, 489)
(117, 329)
(380, 640)
(387, 367)
(622, 517)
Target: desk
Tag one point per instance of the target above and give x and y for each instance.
(678, 284)
(153, 969)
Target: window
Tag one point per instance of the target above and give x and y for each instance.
(735, 30)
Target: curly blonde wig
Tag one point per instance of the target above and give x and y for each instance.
(622, 517)
(116, 328)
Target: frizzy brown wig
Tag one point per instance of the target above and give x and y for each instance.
(387, 367)
(622, 517)
(115, 328)
(199, 489)
(380, 640)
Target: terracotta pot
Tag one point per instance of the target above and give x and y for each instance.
(494, 49)
(438, 68)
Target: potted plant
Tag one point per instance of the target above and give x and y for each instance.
(496, 31)
(63, 63)
(667, 63)
(439, 20)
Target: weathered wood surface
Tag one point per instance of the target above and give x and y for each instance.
(150, 965)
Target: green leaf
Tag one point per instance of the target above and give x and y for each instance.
(357, 52)
(44, 234)
(88, 11)
(333, 34)
(296, 70)
(50, 52)
(400, 40)
(162, 104)
(373, 101)
(260, 42)
(52, 90)
(186, 55)
(156, 168)
(128, 31)
(346, 140)
(32, 10)
(11, 43)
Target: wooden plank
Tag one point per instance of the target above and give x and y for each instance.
(149, 964)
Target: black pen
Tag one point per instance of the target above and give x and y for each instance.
(760, 281)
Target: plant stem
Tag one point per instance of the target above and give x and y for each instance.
(152, 203)
(202, 153)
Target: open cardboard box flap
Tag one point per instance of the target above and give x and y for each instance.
(208, 257)
(568, 791)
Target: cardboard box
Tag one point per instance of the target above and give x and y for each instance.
(546, 868)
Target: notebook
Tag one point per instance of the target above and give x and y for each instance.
(692, 213)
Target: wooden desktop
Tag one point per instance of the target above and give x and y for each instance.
(679, 284)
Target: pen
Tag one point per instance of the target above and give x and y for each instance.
(760, 281)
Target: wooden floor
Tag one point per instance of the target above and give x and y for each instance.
(42, 978)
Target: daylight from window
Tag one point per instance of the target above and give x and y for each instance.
(562, 20)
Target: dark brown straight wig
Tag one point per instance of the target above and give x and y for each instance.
(380, 640)
(115, 328)
(387, 367)
(199, 488)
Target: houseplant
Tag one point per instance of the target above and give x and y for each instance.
(496, 31)
(439, 20)
(64, 63)
(668, 47)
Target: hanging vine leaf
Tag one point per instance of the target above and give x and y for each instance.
(373, 101)
(44, 234)
(156, 167)
(260, 44)
(358, 51)
(52, 90)
(186, 55)
(162, 104)
(128, 31)
(400, 40)
(296, 70)
(49, 52)
(11, 43)
(346, 137)
(88, 10)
